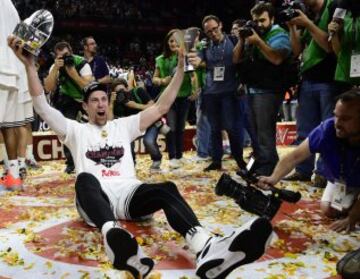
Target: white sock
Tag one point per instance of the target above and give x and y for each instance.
(21, 162)
(4, 155)
(196, 238)
(14, 168)
(29, 152)
(226, 142)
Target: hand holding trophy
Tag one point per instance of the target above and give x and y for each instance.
(187, 39)
(35, 31)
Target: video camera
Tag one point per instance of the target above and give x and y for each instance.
(247, 29)
(251, 199)
(288, 10)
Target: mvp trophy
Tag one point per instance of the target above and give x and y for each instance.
(35, 31)
(186, 39)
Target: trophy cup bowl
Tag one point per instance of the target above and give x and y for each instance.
(190, 37)
(35, 30)
(186, 39)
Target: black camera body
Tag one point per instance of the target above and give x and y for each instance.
(122, 97)
(69, 60)
(288, 10)
(247, 30)
(250, 198)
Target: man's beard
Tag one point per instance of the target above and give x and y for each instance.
(264, 30)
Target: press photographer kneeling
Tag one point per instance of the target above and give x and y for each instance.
(337, 140)
(128, 100)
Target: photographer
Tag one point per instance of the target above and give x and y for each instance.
(317, 91)
(97, 63)
(264, 52)
(127, 100)
(345, 42)
(67, 77)
(337, 140)
(221, 105)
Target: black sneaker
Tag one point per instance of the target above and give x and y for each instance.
(221, 255)
(69, 169)
(213, 166)
(125, 254)
(298, 176)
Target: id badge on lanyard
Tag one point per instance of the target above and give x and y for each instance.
(219, 73)
(338, 196)
(355, 65)
(355, 56)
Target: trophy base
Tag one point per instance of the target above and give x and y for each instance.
(31, 50)
(189, 68)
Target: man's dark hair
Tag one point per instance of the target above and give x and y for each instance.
(262, 7)
(210, 17)
(240, 22)
(62, 45)
(84, 40)
(352, 95)
(119, 81)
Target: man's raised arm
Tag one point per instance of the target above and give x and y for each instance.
(53, 118)
(163, 104)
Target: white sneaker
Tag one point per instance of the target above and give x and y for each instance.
(221, 255)
(174, 164)
(184, 161)
(198, 159)
(124, 252)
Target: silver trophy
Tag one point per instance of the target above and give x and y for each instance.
(187, 39)
(190, 37)
(35, 30)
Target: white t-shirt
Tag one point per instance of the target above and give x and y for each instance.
(105, 152)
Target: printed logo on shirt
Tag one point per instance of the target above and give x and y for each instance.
(107, 155)
(109, 173)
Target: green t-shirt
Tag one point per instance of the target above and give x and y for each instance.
(167, 67)
(350, 41)
(313, 54)
(67, 85)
